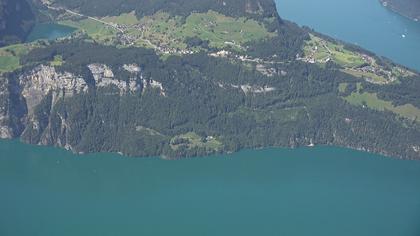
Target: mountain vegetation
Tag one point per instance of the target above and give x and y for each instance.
(173, 79)
(16, 21)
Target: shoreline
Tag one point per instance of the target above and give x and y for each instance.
(223, 154)
(392, 8)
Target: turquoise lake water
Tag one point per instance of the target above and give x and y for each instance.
(49, 31)
(322, 191)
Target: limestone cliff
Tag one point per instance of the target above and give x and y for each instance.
(39, 82)
(12, 108)
(29, 101)
(5, 129)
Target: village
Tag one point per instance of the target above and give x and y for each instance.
(316, 51)
(320, 51)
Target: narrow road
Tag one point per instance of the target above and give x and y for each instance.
(81, 15)
(114, 26)
(95, 19)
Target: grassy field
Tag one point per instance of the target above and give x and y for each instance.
(58, 61)
(336, 52)
(193, 140)
(359, 74)
(148, 131)
(9, 63)
(342, 87)
(161, 29)
(123, 19)
(96, 30)
(372, 101)
(170, 32)
(221, 30)
(320, 51)
(10, 56)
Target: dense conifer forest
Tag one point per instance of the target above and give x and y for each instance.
(16, 21)
(141, 102)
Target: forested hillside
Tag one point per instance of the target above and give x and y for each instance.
(264, 8)
(16, 21)
(186, 78)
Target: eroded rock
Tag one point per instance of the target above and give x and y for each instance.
(37, 83)
(104, 77)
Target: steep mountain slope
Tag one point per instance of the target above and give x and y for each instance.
(265, 8)
(185, 78)
(16, 21)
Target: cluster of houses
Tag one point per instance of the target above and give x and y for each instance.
(128, 39)
(367, 68)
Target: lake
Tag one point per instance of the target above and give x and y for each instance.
(310, 191)
(322, 191)
(49, 31)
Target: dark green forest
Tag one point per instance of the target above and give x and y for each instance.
(16, 21)
(210, 104)
(305, 107)
(253, 8)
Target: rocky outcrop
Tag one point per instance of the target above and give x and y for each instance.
(154, 85)
(251, 89)
(256, 89)
(5, 129)
(41, 88)
(39, 82)
(12, 108)
(132, 68)
(104, 77)
(37, 93)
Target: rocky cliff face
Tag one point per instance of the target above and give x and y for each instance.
(5, 130)
(38, 93)
(12, 108)
(43, 80)
(41, 88)
(104, 77)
